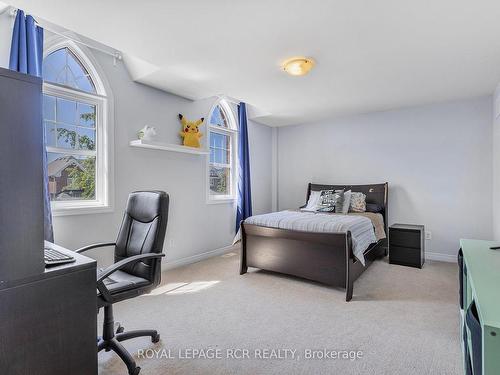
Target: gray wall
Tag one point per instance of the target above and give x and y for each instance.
(436, 158)
(260, 137)
(194, 227)
(496, 164)
(6, 24)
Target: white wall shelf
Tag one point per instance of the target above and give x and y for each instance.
(168, 147)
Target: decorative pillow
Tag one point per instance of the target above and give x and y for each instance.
(331, 200)
(347, 203)
(312, 203)
(358, 202)
(373, 207)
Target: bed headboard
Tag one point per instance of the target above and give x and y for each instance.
(376, 193)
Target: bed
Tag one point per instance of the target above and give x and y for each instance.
(327, 258)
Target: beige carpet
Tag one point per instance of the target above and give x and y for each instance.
(403, 320)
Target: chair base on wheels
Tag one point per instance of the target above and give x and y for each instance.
(110, 341)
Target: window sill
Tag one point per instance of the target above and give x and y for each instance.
(69, 210)
(221, 200)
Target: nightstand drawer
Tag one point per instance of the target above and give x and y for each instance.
(405, 238)
(405, 256)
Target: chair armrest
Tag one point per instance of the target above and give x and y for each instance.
(94, 246)
(119, 265)
(125, 262)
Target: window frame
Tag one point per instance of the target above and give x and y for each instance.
(102, 101)
(232, 132)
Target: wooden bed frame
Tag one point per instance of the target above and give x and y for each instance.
(323, 257)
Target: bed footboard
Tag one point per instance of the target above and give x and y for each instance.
(322, 257)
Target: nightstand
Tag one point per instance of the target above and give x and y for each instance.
(406, 245)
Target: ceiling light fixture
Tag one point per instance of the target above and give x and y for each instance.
(298, 66)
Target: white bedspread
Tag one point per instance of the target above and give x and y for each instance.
(361, 228)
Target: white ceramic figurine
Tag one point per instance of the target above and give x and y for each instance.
(147, 133)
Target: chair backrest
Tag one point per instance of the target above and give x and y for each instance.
(143, 231)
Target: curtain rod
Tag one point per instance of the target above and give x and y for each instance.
(116, 56)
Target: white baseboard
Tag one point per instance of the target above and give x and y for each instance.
(195, 258)
(226, 249)
(441, 257)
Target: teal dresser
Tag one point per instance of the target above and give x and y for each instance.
(480, 306)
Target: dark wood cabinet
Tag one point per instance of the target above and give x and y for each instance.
(48, 322)
(21, 176)
(407, 245)
(48, 316)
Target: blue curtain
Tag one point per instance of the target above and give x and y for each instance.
(26, 56)
(26, 50)
(244, 209)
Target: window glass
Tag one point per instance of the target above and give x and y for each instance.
(218, 117)
(62, 67)
(220, 148)
(50, 133)
(49, 108)
(221, 138)
(65, 111)
(219, 181)
(86, 115)
(74, 127)
(71, 177)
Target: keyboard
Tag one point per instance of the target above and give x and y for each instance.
(53, 257)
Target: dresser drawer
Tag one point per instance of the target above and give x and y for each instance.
(406, 256)
(405, 238)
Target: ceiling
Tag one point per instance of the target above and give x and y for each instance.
(370, 55)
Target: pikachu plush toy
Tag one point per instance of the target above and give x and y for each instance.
(190, 132)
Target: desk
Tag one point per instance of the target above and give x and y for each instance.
(480, 285)
(48, 321)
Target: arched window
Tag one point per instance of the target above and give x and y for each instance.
(222, 130)
(75, 130)
(64, 68)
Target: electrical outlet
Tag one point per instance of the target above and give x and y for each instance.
(428, 235)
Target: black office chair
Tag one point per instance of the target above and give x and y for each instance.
(137, 267)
